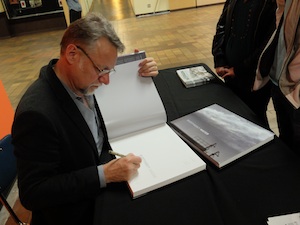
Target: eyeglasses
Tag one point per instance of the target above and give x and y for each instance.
(100, 71)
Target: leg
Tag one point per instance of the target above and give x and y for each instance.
(257, 101)
(288, 119)
(296, 130)
(74, 15)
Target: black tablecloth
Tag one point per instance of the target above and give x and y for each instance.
(263, 183)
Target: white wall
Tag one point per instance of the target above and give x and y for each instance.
(85, 5)
(149, 6)
(180, 4)
(207, 2)
(1, 7)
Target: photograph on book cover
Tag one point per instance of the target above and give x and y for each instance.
(221, 135)
(194, 76)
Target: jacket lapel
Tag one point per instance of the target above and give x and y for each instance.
(69, 107)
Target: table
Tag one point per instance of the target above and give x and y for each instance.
(264, 183)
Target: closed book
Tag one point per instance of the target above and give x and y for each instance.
(220, 135)
(194, 76)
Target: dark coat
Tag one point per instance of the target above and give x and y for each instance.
(56, 154)
(265, 23)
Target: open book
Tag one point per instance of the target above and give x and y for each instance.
(220, 135)
(135, 119)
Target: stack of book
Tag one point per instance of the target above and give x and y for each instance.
(194, 76)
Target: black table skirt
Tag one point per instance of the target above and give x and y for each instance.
(264, 183)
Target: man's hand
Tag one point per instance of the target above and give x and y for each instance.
(220, 70)
(225, 72)
(229, 72)
(121, 169)
(148, 67)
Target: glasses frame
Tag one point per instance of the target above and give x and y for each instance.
(101, 72)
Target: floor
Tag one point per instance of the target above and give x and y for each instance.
(174, 39)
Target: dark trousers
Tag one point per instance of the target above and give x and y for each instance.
(74, 15)
(257, 101)
(288, 119)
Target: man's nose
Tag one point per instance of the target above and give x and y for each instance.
(104, 79)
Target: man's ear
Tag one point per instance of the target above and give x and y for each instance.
(72, 53)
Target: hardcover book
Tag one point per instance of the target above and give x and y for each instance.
(135, 119)
(220, 135)
(194, 76)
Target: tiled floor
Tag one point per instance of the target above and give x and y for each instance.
(174, 39)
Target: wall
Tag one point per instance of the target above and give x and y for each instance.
(66, 11)
(179, 4)
(85, 5)
(149, 6)
(207, 2)
(1, 7)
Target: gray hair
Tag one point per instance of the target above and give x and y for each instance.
(88, 30)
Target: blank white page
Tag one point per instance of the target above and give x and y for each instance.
(129, 103)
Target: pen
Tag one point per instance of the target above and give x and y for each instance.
(116, 153)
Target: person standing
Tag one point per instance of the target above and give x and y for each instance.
(280, 63)
(74, 9)
(242, 32)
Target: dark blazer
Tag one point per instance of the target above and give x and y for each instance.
(56, 154)
(264, 23)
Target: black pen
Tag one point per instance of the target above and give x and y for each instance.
(116, 153)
